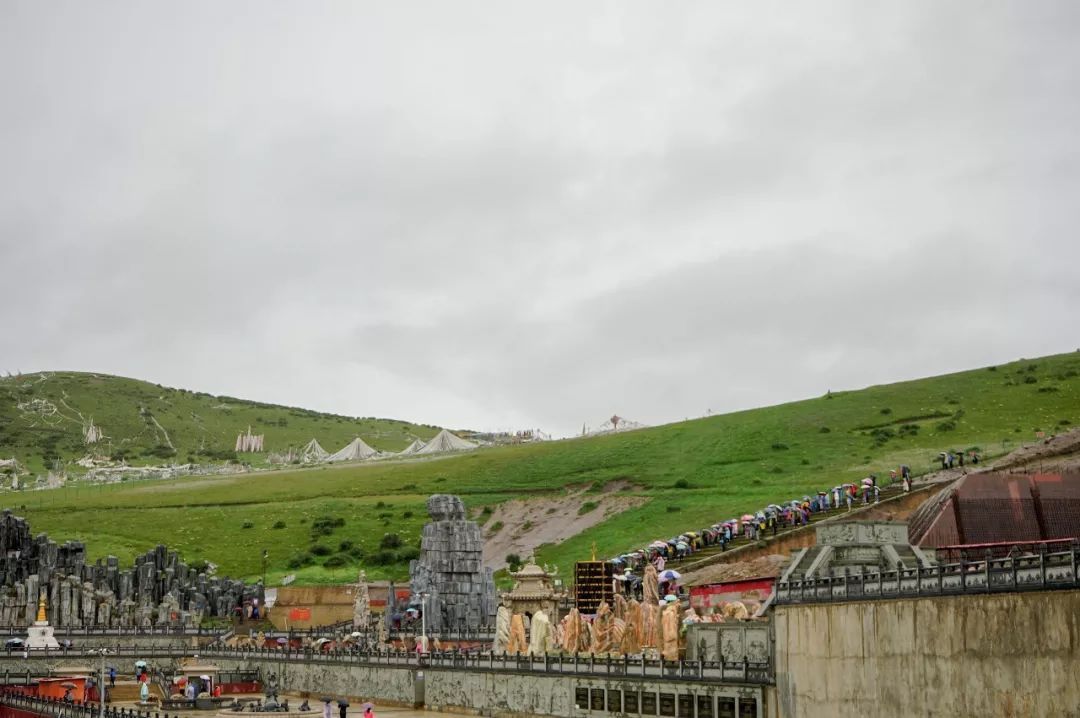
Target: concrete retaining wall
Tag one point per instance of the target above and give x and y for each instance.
(996, 655)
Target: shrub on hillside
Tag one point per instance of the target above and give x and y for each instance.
(299, 560)
(247, 525)
(408, 553)
(336, 561)
(279, 524)
(682, 484)
(513, 561)
(777, 446)
(390, 541)
(345, 545)
(321, 550)
(586, 507)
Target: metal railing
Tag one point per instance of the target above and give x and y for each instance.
(19, 630)
(1039, 572)
(568, 664)
(71, 709)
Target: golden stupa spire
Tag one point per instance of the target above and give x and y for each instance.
(41, 616)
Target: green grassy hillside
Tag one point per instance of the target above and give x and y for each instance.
(43, 416)
(330, 521)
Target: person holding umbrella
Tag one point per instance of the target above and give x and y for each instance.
(343, 706)
(327, 711)
(369, 710)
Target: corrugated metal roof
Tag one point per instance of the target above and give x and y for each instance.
(1000, 507)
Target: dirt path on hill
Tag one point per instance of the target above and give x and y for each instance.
(529, 523)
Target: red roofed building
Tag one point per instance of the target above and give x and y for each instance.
(992, 508)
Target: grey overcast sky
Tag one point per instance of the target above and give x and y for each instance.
(510, 215)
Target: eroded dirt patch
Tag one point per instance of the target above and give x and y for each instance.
(525, 524)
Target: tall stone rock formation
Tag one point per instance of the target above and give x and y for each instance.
(460, 591)
(160, 589)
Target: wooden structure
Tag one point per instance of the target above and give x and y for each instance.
(592, 585)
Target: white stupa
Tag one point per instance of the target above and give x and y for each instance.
(40, 634)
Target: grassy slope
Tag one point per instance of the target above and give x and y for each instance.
(201, 427)
(732, 462)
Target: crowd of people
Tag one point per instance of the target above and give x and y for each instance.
(759, 524)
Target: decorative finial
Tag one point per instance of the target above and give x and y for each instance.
(593, 550)
(41, 615)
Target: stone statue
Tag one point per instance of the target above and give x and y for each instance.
(502, 630)
(517, 644)
(540, 635)
(670, 624)
(631, 639)
(650, 635)
(651, 586)
(618, 628)
(601, 631)
(361, 604)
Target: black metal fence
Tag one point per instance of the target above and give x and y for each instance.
(1039, 572)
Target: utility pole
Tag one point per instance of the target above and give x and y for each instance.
(101, 684)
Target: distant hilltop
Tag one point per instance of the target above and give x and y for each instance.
(53, 421)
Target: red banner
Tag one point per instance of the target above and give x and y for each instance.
(299, 614)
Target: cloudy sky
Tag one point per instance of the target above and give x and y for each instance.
(509, 215)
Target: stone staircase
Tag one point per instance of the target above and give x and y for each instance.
(128, 692)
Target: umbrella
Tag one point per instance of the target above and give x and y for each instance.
(326, 699)
(67, 684)
(356, 634)
(671, 598)
(669, 575)
(867, 482)
(619, 577)
(367, 705)
(283, 640)
(342, 702)
(748, 517)
(140, 664)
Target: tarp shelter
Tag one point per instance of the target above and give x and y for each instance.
(412, 448)
(313, 452)
(445, 441)
(356, 450)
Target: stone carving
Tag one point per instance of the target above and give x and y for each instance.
(631, 638)
(863, 532)
(670, 623)
(650, 586)
(361, 604)
(601, 633)
(460, 593)
(540, 635)
(502, 630)
(100, 594)
(517, 644)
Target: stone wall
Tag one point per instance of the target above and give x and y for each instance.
(1013, 654)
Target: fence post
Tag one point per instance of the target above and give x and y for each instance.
(986, 571)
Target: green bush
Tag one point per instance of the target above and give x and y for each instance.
(673, 509)
(299, 560)
(279, 524)
(321, 550)
(383, 557)
(586, 507)
(496, 527)
(408, 553)
(390, 541)
(682, 484)
(247, 525)
(345, 546)
(513, 561)
(779, 447)
(886, 411)
(336, 561)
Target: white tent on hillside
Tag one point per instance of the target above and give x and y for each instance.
(313, 452)
(356, 450)
(411, 448)
(445, 441)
